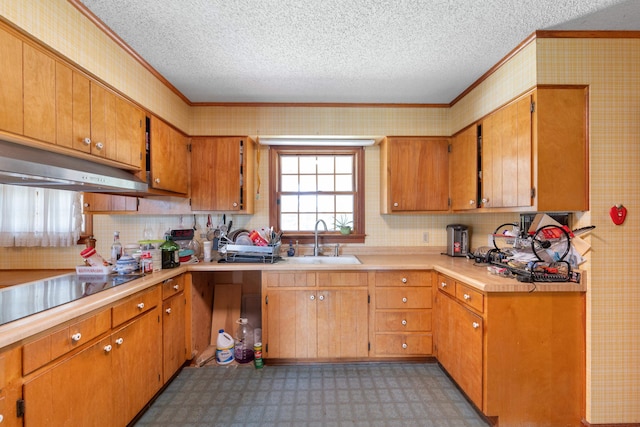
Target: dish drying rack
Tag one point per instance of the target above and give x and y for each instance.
(230, 252)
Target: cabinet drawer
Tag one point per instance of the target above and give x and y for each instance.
(342, 278)
(447, 285)
(173, 286)
(135, 305)
(403, 321)
(403, 278)
(404, 344)
(42, 351)
(289, 279)
(403, 298)
(470, 297)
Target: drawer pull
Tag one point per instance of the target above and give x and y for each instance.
(168, 310)
(99, 146)
(119, 341)
(466, 297)
(176, 287)
(404, 280)
(141, 305)
(404, 299)
(404, 322)
(76, 337)
(86, 141)
(404, 345)
(475, 325)
(321, 297)
(312, 297)
(443, 284)
(107, 348)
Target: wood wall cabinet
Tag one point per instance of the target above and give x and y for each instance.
(535, 152)
(519, 357)
(414, 174)
(46, 99)
(463, 169)
(222, 174)
(402, 316)
(10, 386)
(107, 203)
(169, 158)
(315, 315)
(174, 344)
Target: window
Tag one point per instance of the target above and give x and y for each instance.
(32, 216)
(308, 184)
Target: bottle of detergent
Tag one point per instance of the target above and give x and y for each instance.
(243, 349)
(224, 348)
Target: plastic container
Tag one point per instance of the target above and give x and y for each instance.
(93, 258)
(224, 348)
(243, 349)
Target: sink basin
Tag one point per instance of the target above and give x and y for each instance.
(324, 260)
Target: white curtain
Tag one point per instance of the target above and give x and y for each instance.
(39, 216)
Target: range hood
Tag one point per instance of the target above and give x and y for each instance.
(32, 167)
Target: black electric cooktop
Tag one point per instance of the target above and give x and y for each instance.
(30, 298)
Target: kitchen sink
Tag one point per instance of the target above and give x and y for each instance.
(324, 260)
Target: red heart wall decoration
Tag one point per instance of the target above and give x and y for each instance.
(618, 214)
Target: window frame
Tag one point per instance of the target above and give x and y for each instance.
(358, 230)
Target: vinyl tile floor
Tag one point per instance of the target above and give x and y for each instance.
(376, 394)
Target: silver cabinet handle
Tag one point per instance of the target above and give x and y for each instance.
(404, 322)
(404, 299)
(141, 305)
(107, 348)
(119, 341)
(168, 310)
(76, 337)
(475, 325)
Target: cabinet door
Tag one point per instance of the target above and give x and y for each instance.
(468, 329)
(215, 174)
(11, 100)
(137, 364)
(10, 387)
(418, 171)
(77, 392)
(463, 168)
(39, 95)
(103, 122)
(130, 130)
(291, 320)
(342, 323)
(173, 335)
(507, 156)
(97, 202)
(444, 331)
(169, 161)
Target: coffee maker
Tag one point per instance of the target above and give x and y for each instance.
(457, 240)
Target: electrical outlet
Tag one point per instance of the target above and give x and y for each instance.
(425, 237)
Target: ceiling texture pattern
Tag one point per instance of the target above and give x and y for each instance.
(339, 51)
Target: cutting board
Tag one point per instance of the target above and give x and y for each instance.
(227, 300)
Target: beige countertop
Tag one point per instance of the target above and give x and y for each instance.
(460, 269)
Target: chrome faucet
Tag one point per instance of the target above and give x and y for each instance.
(316, 248)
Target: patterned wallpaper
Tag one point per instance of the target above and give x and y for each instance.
(610, 66)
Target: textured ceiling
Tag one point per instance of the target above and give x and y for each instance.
(340, 51)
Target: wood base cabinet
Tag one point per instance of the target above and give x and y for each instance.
(10, 387)
(520, 357)
(402, 314)
(315, 315)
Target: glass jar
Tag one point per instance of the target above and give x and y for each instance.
(170, 256)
